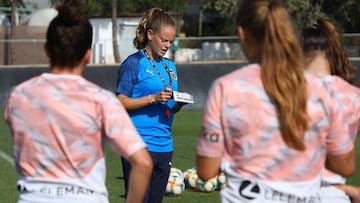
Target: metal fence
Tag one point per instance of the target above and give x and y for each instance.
(30, 52)
(22, 52)
(352, 44)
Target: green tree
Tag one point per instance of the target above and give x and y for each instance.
(5, 3)
(305, 11)
(226, 8)
(96, 8)
(219, 16)
(344, 13)
(100, 8)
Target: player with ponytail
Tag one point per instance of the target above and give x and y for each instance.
(269, 126)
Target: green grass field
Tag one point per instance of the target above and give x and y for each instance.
(185, 131)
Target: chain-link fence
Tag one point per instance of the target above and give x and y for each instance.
(189, 49)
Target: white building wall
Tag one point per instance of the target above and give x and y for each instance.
(38, 4)
(102, 40)
(103, 52)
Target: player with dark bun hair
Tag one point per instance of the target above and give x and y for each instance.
(69, 35)
(60, 122)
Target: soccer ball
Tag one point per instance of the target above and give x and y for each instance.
(192, 181)
(175, 186)
(221, 181)
(176, 172)
(190, 178)
(207, 186)
(188, 172)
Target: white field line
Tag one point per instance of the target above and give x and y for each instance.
(6, 157)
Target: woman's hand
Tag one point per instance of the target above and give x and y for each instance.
(164, 95)
(352, 191)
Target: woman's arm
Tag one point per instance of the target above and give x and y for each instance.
(141, 168)
(135, 103)
(343, 164)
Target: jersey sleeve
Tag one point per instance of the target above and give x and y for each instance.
(211, 137)
(127, 75)
(339, 139)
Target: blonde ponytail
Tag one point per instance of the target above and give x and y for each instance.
(154, 19)
(281, 65)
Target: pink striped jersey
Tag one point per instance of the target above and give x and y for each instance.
(349, 97)
(60, 124)
(240, 125)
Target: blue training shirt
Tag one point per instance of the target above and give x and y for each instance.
(137, 78)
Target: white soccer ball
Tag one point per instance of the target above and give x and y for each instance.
(189, 171)
(176, 172)
(190, 178)
(175, 185)
(207, 186)
(221, 181)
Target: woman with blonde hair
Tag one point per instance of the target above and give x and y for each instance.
(146, 81)
(268, 126)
